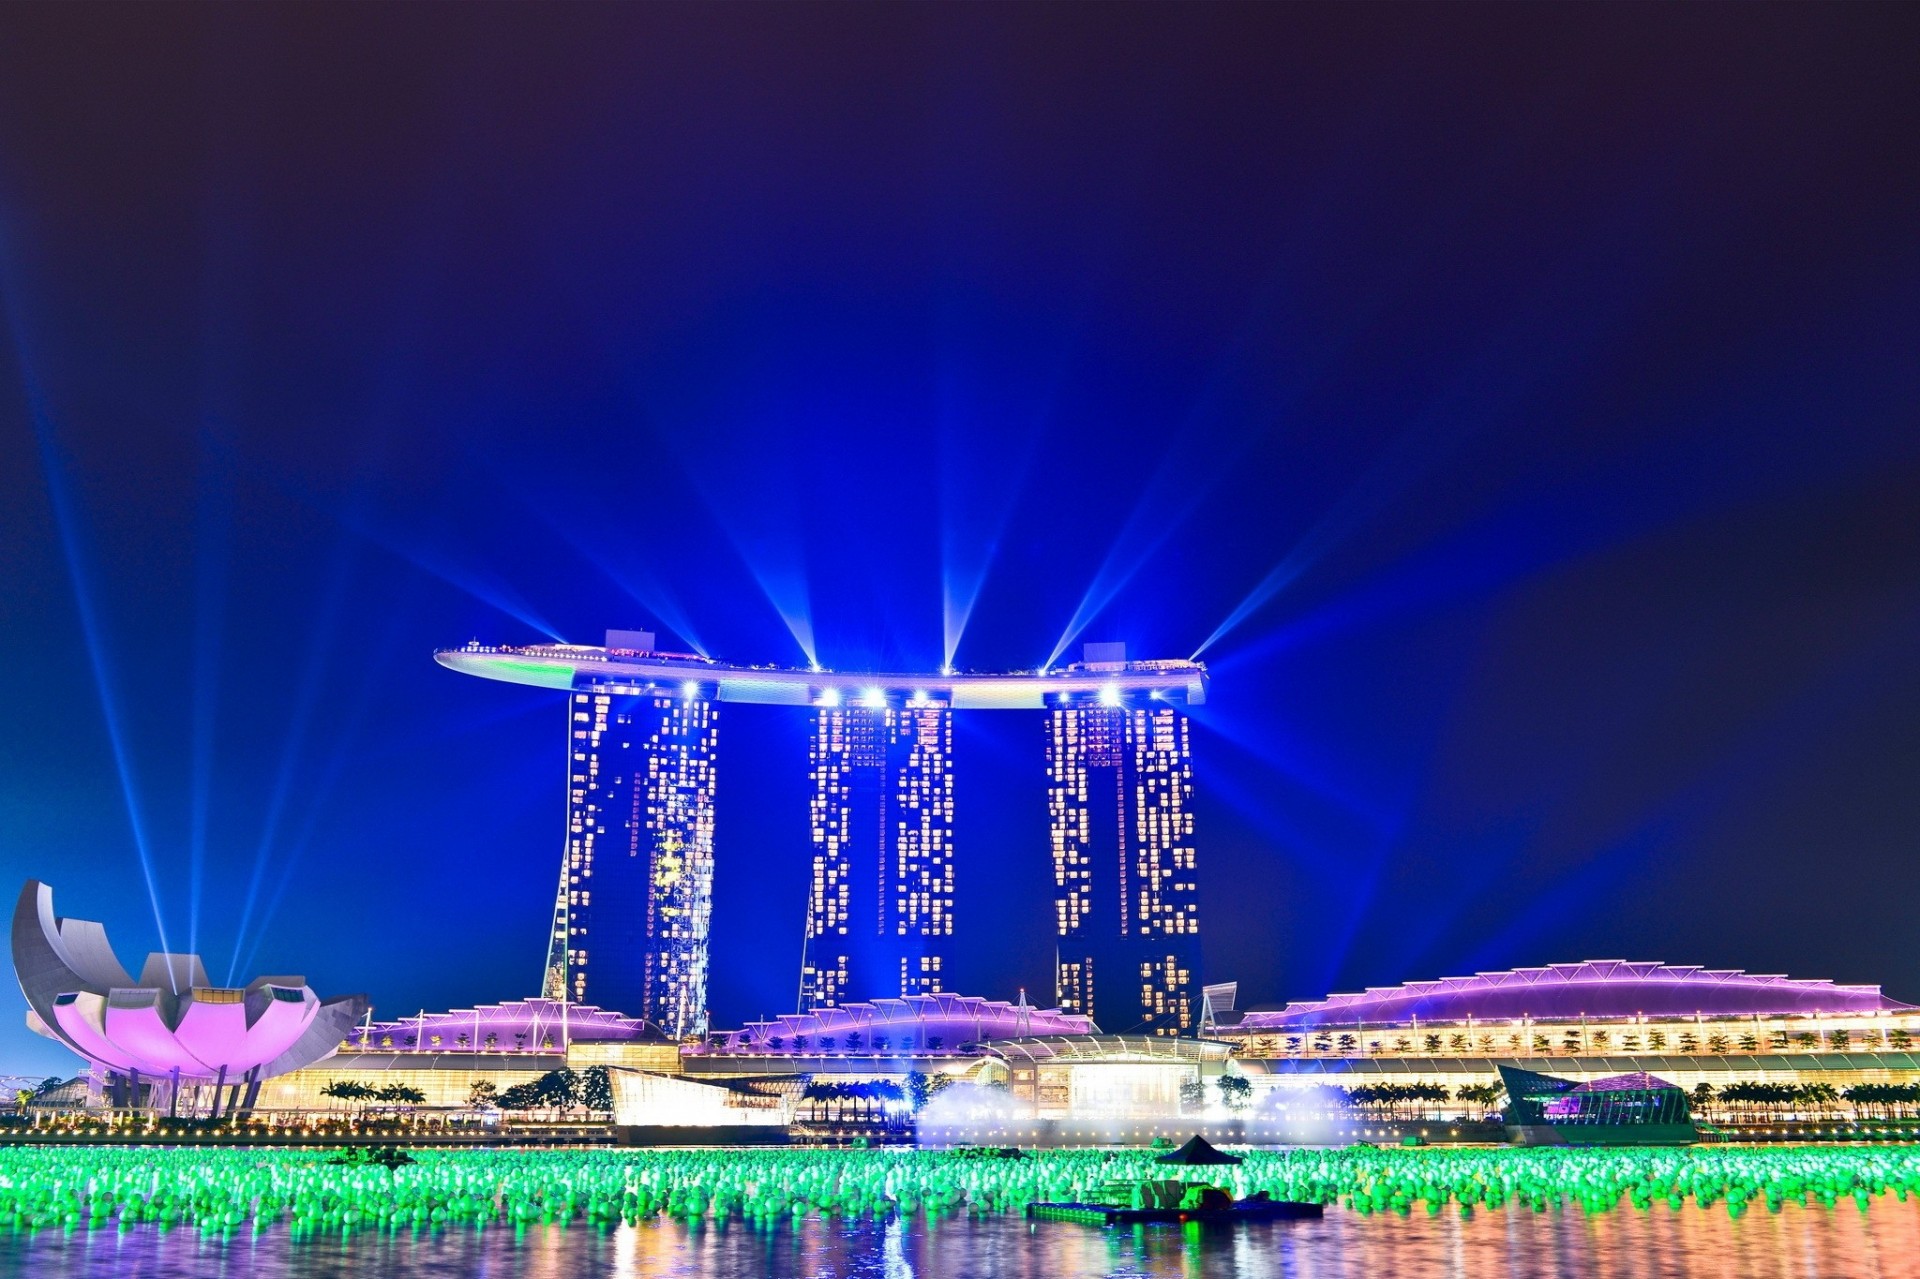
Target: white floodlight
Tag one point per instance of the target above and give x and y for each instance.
(829, 697)
(1109, 694)
(876, 698)
(690, 690)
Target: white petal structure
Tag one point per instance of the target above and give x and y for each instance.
(172, 1023)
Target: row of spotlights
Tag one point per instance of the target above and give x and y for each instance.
(876, 698)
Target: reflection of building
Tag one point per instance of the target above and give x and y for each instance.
(880, 905)
(172, 1032)
(1120, 805)
(631, 918)
(1586, 1021)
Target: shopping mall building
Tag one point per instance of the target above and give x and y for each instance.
(1585, 1021)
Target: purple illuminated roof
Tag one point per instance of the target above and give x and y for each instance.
(1638, 1081)
(529, 1025)
(1599, 988)
(923, 1023)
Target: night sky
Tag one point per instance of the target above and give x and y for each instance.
(1517, 404)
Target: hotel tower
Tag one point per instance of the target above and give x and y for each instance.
(630, 923)
(1126, 902)
(880, 899)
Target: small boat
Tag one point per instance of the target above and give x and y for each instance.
(1111, 1215)
(1175, 1201)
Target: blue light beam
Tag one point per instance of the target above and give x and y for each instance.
(72, 541)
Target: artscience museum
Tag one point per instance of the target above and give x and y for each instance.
(171, 1036)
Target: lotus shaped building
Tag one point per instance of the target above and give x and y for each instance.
(172, 1028)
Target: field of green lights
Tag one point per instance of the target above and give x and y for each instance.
(221, 1191)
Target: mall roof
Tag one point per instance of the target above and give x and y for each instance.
(642, 670)
(913, 1020)
(1595, 988)
(525, 1025)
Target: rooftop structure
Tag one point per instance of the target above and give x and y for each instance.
(1595, 989)
(173, 1025)
(643, 670)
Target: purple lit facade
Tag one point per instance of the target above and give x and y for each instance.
(1595, 989)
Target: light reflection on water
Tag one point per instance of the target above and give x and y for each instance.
(1795, 1243)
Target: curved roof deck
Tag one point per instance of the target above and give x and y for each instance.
(521, 1025)
(911, 1022)
(1596, 988)
(574, 666)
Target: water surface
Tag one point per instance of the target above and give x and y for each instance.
(1794, 1243)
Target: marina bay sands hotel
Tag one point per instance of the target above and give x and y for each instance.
(630, 923)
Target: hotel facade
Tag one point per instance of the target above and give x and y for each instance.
(632, 914)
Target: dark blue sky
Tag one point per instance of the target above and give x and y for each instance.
(1523, 400)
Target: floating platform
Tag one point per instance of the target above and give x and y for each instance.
(1109, 1215)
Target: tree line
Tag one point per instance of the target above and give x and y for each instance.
(867, 1097)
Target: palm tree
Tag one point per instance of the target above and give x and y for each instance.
(348, 1090)
(1487, 1095)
